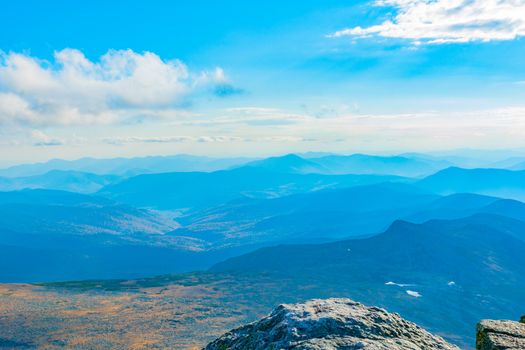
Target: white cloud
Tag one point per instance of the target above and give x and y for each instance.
(447, 21)
(41, 139)
(200, 139)
(122, 86)
(431, 130)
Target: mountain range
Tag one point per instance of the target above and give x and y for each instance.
(353, 164)
(65, 180)
(197, 190)
(334, 214)
(126, 166)
(442, 274)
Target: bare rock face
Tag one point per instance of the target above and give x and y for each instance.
(330, 324)
(500, 335)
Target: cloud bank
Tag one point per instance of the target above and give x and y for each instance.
(201, 139)
(122, 86)
(447, 21)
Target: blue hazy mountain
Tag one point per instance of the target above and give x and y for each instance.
(200, 190)
(334, 214)
(69, 180)
(65, 213)
(55, 235)
(126, 166)
(513, 163)
(496, 182)
(444, 275)
(465, 204)
(408, 251)
(518, 166)
(353, 164)
(84, 232)
(290, 163)
(371, 164)
(320, 215)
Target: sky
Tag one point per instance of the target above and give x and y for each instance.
(133, 78)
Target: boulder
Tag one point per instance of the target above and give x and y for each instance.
(500, 335)
(330, 324)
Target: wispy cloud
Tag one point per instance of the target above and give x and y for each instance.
(41, 139)
(447, 21)
(122, 86)
(200, 139)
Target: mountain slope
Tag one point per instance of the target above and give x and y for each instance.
(201, 190)
(352, 164)
(290, 163)
(436, 248)
(496, 182)
(319, 215)
(334, 214)
(370, 164)
(60, 212)
(47, 235)
(73, 181)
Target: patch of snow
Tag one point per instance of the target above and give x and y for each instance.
(413, 293)
(402, 285)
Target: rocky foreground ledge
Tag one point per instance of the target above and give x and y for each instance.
(330, 324)
(500, 335)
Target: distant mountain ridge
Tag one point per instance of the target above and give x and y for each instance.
(323, 163)
(290, 163)
(66, 180)
(495, 182)
(126, 166)
(326, 215)
(201, 190)
(362, 164)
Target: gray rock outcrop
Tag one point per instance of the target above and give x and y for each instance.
(500, 335)
(330, 324)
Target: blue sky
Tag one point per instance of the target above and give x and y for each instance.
(126, 78)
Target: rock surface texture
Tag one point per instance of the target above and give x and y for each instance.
(500, 335)
(329, 324)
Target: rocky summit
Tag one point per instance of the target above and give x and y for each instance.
(329, 324)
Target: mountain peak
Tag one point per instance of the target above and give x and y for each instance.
(288, 163)
(330, 324)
